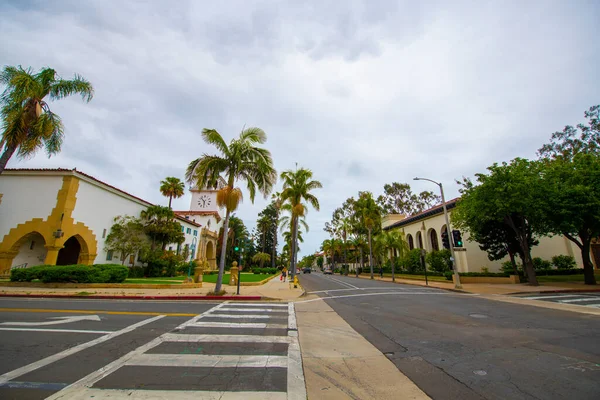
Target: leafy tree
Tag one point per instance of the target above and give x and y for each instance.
(439, 261)
(398, 198)
(126, 236)
(172, 187)
(267, 220)
(160, 225)
(394, 242)
(509, 194)
(237, 230)
(240, 160)
(368, 213)
(572, 177)
(28, 124)
(297, 187)
(261, 258)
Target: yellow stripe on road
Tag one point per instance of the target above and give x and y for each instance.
(45, 310)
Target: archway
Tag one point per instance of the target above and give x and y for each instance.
(419, 240)
(433, 240)
(210, 255)
(411, 242)
(31, 250)
(69, 254)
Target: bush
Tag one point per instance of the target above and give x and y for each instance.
(136, 272)
(99, 273)
(448, 275)
(411, 263)
(439, 261)
(508, 268)
(564, 262)
(541, 265)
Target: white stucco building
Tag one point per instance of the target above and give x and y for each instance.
(61, 216)
(424, 231)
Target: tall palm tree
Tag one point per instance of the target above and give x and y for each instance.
(172, 187)
(394, 242)
(277, 203)
(240, 160)
(297, 186)
(27, 122)
(368, 213)
(343, 228)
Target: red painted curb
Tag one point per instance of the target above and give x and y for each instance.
(58, 296)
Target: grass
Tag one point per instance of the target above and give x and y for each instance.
(177, 280)
(154, 281)
(244, 278)
(564, 278)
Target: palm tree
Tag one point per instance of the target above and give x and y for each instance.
(240, 160)
(393, 241)
(297, 186)
(261, 258)
(368, 213)
(343, 228)
(27, 122)
(277, 203)
(172, 187)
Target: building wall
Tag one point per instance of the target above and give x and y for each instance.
(25, 198)
(32, 252)
(97, 207)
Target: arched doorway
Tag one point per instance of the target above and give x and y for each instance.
(31, 251)
(69, 254)
(411, 242)
(433, 240)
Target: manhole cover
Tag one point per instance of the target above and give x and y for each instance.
(478, 316)
(480, 372)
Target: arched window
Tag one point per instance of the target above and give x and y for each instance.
(411, 242)
(419, 240)
(434, 240)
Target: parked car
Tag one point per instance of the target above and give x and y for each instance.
(306, 270)
(327, 271)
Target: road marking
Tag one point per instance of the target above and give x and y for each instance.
(261, 325)
(215, 361)
(376, 288)
(57, 320)
(34, 385)
(550, 297)
(254, 310)
(386, 293)
(54, 330)
(76, 388)
(296, 388)
(44, 310)
(292, 317)
(128, 394)
(259, 305)
(239, 316)
(59, 356)
(190, 338)
(344, 283)
(591, 298)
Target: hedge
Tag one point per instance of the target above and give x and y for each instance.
(98, 273)
(266, 271)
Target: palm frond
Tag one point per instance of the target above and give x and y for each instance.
(64, 88)
(253, 135)
(211, 136)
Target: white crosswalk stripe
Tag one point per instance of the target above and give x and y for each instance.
(591, 299)
(241, 349)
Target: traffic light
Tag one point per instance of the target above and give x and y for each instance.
(236, 248)
(445, 240)
(458, 242)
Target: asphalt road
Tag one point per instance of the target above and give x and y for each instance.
(71, 349)
(458, 346)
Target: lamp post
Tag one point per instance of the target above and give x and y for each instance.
(457, 284)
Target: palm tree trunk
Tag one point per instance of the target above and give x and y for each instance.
(8, 152)
(170, 198)
(370, 254)
(295, 246)
(223, 253)
(273, 258)
(393, 267)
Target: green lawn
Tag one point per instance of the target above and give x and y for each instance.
(177, 280)
(564, 278)
(244, 278)
(154, 281)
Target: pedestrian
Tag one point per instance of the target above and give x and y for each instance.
(283, 273)
(381, 271)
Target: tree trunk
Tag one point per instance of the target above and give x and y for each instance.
(513, 262)
(223, 254)
(393, 267)
(8, 152)
(588, 266)
(521, 234)
(528, 265)
(274, 257)
(346, 267)
(293, 249)
(170, 198)
(370, 254)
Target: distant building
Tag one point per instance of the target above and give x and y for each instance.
(424, 230)
(62, 216)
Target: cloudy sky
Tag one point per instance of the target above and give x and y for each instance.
(362, 92)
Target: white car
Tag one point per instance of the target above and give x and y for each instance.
(327, 271)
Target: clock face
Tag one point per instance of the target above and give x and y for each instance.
(203, 201)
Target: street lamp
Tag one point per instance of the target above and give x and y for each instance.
(457, 284)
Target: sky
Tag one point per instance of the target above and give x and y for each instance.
(363, 93)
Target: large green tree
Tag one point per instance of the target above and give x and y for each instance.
(126, 236)
(172, 187)
(509, 194)
(368, 214)
(160, 225)
(297, 188)
(572, 177)
(398, 198)
(28, 124)
(393, 241)
(241, 160)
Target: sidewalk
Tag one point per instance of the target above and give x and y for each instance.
(274, 289)
(494, 288)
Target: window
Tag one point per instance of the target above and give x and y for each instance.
(109, 255)
(187, 217)
(178, 248)
(131, 259)
(195, 232)
(182, 229)
(189, 230)
(104, 233)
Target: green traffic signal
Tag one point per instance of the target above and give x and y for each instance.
(236, 248)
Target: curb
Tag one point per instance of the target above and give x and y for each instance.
(109, 297)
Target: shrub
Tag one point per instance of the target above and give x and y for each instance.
(564, 262)
(448, 275)
(508, 268)
(136, 272)
(411, 262)
(100, 273)
(439, 260)
(541, 265)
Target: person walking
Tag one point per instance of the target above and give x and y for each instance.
(283, 274)
(381, 271)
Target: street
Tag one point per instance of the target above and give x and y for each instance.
(460, 346)
(72, 349)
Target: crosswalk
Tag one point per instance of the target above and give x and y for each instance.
(232, 351)
(588, 299)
